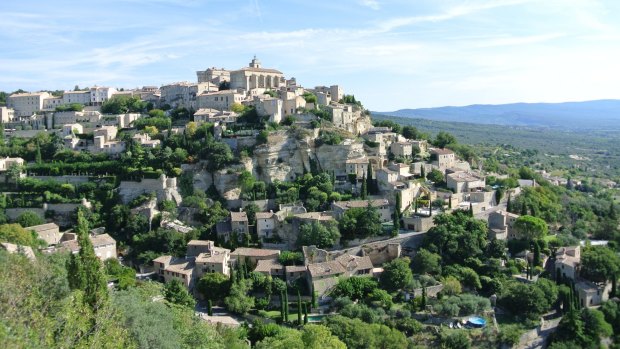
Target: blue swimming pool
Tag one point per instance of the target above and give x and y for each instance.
(477, 321)
(316, 318)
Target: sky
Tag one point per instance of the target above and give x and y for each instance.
(389, 54)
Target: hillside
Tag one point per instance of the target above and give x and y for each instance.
(588, 115)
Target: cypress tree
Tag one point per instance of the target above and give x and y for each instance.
(508, 204)
(84, 269)
(364, 190)
(38, 158)
(415, 206)
(305, 313)
(430, 207)
(423, 302)
(286, 310)
(471, 209)
(450, 202)
(423, 172)
(282, 311)
(369, 182)
(299, 308)
(536, 253)
(315, 304)
(396, 223)
(210, 308)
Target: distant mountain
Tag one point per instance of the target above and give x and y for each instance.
(589, 115)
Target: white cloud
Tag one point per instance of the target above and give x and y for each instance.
(373, 4)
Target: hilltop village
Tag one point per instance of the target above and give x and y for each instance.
(244, 188)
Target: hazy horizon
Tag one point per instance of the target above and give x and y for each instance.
(391, 54)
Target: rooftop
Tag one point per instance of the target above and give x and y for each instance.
(255, 252)
(42, 227)
(441, 151)
(238, 216)
(326, 269)
(264, 215)
(360, 203)
(267, 265)
(464, 177)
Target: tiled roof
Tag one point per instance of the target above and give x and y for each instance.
(325, 269)
(441, 151)
(353, 263)
(42, 227)
(360, 203)
(267, 265)
(102, 240)
(238, 216)
(255, 252)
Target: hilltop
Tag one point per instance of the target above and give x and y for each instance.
(587, 115)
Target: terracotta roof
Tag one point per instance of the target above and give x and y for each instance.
(255, 252)
(441, 151)
(267, 265)
(354, 263)
(238, 216)
(42, 227)
(464, 177)
(199, 243)
(360, 203)
(182, 266)
(318, 216)
(326, 269)
(163, 259)
(264, 215)
(102, 240)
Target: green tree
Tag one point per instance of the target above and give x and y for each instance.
(84, 269)
(354, 287)
(175, 292)
(435, 176)
(239, 301)
(426, 262)
(443, 139)
(321, 235)
(214, 286)
(457, 237)
(396, 274)
(124, 276)
(599, 264)
(15, 234)
(531, 228)
(29, 219)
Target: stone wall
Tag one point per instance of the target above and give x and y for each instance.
(163, 187)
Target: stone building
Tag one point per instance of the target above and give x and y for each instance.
(26, 104)
(254, 76)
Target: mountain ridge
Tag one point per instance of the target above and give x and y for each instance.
(584, 115)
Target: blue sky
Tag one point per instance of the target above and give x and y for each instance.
(390, 54)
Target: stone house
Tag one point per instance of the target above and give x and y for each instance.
(463, 182)
(265, 224)
(202, 257)
(442, 158)
(50, 232)
(253, 255)
(103, 244)
(567, 261)
(501, 225)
